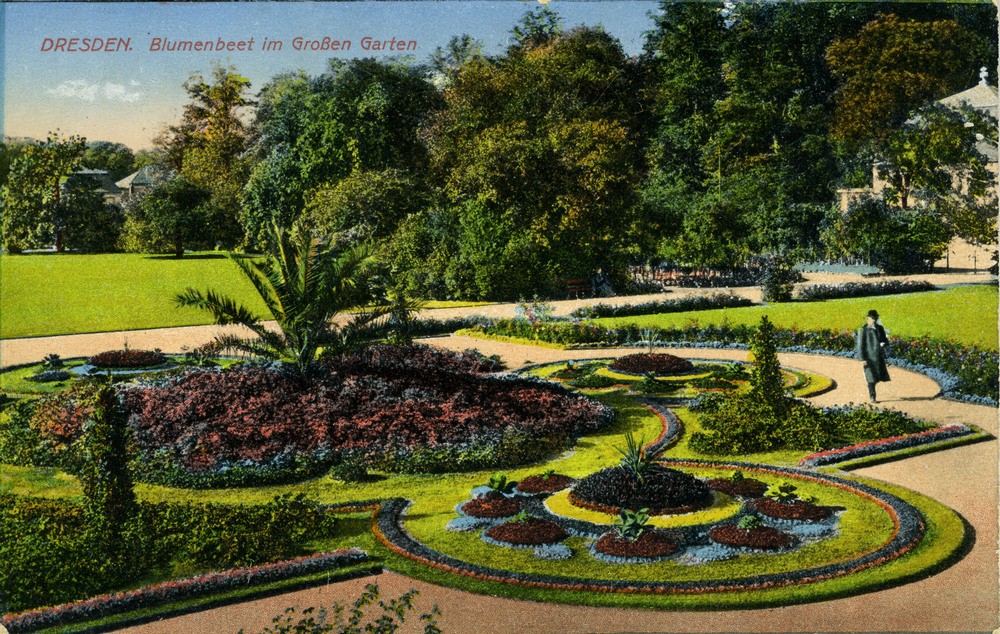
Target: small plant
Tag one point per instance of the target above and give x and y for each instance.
(534, 312)
(648, 337)
(750, 523)
(738, 476)
(548, 474)
(523, 516)
(349, 470)
(499, 483)
(635, 458)
(202, 356)
(317, 621)
(783, 492)
(633, 523)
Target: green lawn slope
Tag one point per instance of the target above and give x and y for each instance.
(964, 314)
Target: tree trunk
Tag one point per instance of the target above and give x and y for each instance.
(178, 249)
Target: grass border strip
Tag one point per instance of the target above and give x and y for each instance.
(910, 528)
(170, 591)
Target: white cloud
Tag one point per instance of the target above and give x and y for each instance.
(85, 91)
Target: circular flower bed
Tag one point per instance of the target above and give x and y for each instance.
(745, 488)
(395, 408)
(651, 544)
(491, 506)
(761, 538)
(657, 363)
(661, 490)
(544, 484)
(530, 531)
(792, 510)
(127, 359)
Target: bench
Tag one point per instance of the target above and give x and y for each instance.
(576, 287)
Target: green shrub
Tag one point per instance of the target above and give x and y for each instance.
(594, 381)
(632, 524)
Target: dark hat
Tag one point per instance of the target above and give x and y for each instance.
(873, 314)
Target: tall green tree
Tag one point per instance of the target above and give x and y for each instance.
(361, 115)
(85, 220)
(209, 144)
(555, 166)
(894, 66)
(32, 192)
(115, 158)
(174, 216)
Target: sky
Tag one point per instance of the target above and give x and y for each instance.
(128, 94)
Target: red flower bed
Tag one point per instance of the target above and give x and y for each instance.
(763, 538)
(528, 532)
(650, 544)
(371, 406)
(542, 484)
(491, 506)
(127, 359)
(659, 363)
(794, 510)
(745, 488)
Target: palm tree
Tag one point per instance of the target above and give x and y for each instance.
(305, 285)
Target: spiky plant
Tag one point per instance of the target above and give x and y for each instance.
(305, 285)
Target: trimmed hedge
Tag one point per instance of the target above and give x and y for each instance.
(814, 292)
(680, 305)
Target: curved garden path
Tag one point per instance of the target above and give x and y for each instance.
(964, 597)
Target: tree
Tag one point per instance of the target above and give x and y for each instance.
(208, 147)
(107, 484)
(115, 158)
(174, 216)
(366, 206)
(461, 49)
(361, 115)
(305, 286)
(935, 154)
(32, 192)
(86, 222)
(767, 385)
(556, 166)
(536, 28)
(893, 66)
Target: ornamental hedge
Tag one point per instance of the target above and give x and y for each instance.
(680, 305)
(814, 292)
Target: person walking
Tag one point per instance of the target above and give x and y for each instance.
(872, 349)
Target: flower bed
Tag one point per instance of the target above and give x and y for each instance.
(761, 538)
(745, 488)
(643, 363)
(162, 593)
(491, 506)
(544, 484)
(128, 359)
(409, 409)
(909, 530)
(530, 531)
(651, 544)
(884, 445)
(661, 490)
(791, 510)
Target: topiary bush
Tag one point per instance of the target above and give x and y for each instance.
(660, 490)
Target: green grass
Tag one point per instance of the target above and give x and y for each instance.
(965, 314)
(59, 294)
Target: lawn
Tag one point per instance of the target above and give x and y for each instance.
(59, 294)
(964, 314)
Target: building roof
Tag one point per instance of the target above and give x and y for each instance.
(147, 177)
(984, 98)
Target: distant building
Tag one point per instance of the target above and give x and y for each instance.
(142, 182)
(982, 97)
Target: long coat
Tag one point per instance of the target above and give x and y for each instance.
(871, 350)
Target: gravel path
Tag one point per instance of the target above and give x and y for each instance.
(963, 597)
